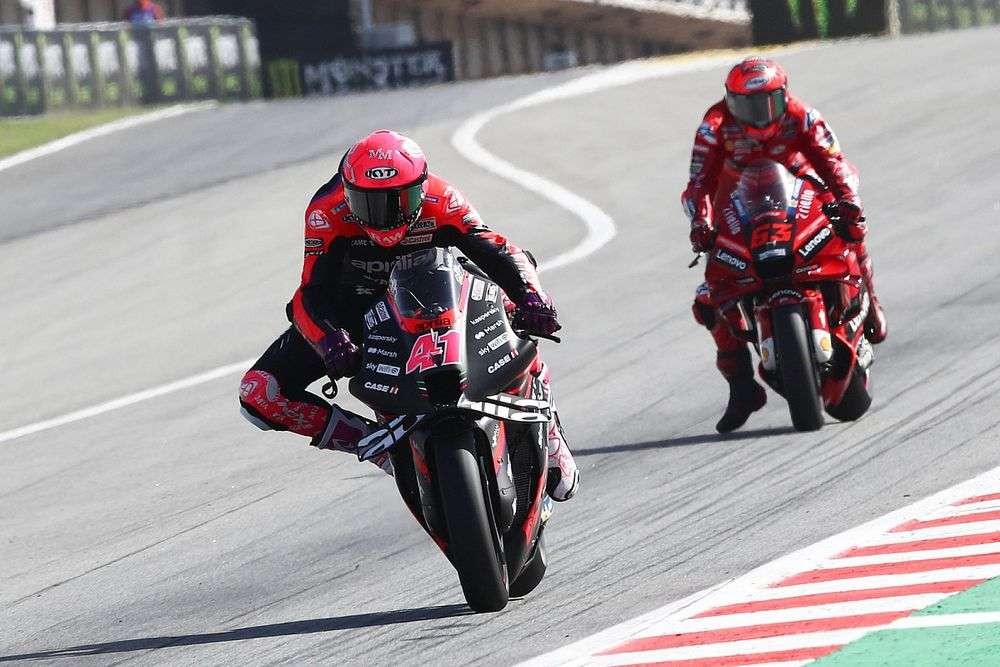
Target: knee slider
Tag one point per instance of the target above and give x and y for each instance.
(253, 394)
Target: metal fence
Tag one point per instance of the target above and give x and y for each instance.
(932, 15)
(116, 64)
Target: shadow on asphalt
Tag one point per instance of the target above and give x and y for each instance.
(253, 632)
(686, 441)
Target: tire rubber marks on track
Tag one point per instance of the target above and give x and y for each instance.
(811, 603)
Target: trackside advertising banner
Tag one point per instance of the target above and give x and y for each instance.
(379, 70)
(113, 64)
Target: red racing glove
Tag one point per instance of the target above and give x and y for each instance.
(853, 226)
(535, 314)
(342, 358)
(702, 235)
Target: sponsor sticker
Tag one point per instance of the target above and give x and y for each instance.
(492, 311)
(730, 260)
(381, 173)
(382, 339)
(387, 369)
(312, 242)
(424, 223)
(382, 311)
(370, 319)
(498, 341)
(318, 220)
(417, 240)
(491, 292)
(816, 243)
(384, 388)
(383, 353)
(478, 288)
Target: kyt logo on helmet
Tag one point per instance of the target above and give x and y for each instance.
(385, 176)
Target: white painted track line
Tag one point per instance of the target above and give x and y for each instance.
(600, 226)
(124, 401)
(101, 131)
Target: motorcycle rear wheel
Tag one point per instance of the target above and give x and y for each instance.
(798, 372)
(473, 543)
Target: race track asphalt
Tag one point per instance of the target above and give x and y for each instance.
(171, 531)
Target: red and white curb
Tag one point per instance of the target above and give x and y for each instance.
(810, 603)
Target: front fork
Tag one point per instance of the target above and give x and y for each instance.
(813, 309)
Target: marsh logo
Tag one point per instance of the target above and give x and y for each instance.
(381, 173)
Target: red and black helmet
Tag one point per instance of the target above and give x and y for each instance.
(385, 178)
(757, 95)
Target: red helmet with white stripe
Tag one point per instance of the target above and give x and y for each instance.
(385, 177)
(757, 96)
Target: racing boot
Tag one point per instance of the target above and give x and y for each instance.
(876, 328)
(564, 476)
(344, 430)
(746, 396)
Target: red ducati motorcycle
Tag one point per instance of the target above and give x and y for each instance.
(791, 286)
(465, 421)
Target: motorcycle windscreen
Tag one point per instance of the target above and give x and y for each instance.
(764, 185)
(425, 286)
(765, 192)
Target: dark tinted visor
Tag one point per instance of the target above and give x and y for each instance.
(385, 209)
(759, 109)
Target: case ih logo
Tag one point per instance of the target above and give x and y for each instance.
(381, 173)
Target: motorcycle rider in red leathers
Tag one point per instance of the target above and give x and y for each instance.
(382, 204)
(759, 119)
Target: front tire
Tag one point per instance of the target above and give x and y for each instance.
(472, 538)
(799, 376)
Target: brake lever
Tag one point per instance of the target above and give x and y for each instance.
(530, 334)
(694, 262)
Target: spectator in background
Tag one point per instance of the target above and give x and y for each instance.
(144, 12)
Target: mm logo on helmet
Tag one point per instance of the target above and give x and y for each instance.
(381, 173)
(757, 82)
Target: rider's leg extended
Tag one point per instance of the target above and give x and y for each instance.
(273, 396)
(564, 477)
(876, 328)
(733, 360)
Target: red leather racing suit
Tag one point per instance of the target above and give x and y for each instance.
(805, 144)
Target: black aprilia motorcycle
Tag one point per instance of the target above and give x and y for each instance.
(465, 421)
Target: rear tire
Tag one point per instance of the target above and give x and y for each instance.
(856, 400)
(799, 376)
(472, 538)
(532, 572)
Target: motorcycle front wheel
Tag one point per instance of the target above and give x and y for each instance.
(799, 376)
(473, 543)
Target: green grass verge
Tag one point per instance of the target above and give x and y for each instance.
(18, 134)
